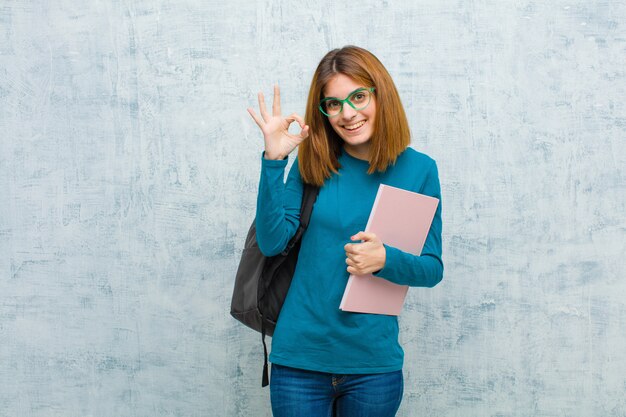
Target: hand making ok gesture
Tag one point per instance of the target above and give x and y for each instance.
(278, 141)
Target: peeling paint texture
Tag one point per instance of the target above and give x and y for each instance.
(129, 171)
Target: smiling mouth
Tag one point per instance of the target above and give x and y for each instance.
(355, 126)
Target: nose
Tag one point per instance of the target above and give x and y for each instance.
(348, 113)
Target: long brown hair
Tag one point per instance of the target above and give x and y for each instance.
(318, 154)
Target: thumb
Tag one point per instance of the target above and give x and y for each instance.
(364, 236)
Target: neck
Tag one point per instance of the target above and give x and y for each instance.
(358, 152)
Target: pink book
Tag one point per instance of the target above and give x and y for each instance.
(401, 219)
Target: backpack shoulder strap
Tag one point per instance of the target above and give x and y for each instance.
(309, 195)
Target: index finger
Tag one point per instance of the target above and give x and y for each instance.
(276, 102)
(349, 248)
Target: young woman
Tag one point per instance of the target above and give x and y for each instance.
(355, 136)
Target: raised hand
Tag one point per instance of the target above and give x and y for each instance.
(278, 141)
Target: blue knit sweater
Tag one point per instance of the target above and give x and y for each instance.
(312, 332)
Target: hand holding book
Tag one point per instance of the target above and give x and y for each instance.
(366, 257)
(401, 219)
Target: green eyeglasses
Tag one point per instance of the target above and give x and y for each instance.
(358, 100)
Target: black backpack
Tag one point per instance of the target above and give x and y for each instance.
(262, 283)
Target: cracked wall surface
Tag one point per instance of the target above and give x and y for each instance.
(128, 177)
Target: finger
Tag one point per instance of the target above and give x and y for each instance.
(365, 236)
(256, 118)
(262, 107)
(296, 116)
(305, 132)
(350, 262)
(355, 259)
(276, 102)
(354, 271)
(350, 248)
(357, 236)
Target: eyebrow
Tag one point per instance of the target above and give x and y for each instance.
(349, 94)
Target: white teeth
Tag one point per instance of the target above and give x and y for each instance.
(355, 126)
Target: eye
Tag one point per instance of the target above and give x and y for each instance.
(332, 104)
(359, 97)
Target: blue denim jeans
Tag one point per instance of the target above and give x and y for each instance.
(301, 393)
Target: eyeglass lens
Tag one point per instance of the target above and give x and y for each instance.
(359, 99)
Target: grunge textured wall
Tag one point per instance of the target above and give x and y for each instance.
(128, 176)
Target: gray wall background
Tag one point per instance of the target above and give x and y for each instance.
(128, 176)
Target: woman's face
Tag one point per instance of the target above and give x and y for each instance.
(355, 127)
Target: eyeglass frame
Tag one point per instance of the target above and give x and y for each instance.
(346, 100)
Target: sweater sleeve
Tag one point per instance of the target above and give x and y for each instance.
(425, 270)
(278, 205)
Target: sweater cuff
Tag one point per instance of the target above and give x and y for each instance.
(391, 260)
(279, 163)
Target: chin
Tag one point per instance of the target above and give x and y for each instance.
(355, 141)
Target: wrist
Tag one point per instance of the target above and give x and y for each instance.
(274, 157)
